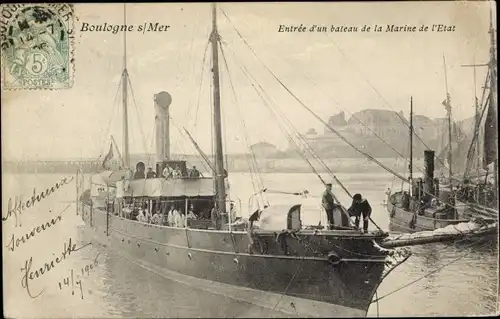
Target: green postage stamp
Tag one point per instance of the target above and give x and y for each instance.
(37, 46)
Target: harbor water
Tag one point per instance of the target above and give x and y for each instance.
(93, 282)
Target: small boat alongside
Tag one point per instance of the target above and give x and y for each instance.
(424, 206)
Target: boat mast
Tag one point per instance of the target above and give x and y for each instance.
(410, 167)
(126, 153)
(477, 127)
(448, 111)
(493, 97)
(219, 155)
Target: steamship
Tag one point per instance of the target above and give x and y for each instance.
(289, 269)
(272, 260)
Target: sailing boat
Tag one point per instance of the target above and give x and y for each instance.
(419, 208)
(479, 196)
(460, 202)
(295, 270)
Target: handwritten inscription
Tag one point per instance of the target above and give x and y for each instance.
(15, 241)
(69, 281)
(29, 275)
(20, 206)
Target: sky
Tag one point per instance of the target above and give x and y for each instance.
(329, 72)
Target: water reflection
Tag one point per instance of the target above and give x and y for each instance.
(466, 284)
(121, 288)
(134, 291)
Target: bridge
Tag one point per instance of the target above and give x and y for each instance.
(51, 166)
(235, 163)
(89, 165)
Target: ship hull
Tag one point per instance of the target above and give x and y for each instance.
(401, 220)
(310, 285)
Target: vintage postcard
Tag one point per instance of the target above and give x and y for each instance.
(286, 159)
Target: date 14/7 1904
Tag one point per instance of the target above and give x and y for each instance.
(69, 281)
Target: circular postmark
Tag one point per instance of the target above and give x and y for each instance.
(35, 47)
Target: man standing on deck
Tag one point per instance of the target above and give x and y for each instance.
(167, 172)
(360, 207)
(150, 173)
(328, 204)
(195, 173)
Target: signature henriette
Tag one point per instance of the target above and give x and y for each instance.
(29, 275)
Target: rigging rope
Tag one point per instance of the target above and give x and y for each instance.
(403, 120)
(193, 98)
(406, 161)
(316, 116)
(115, 106)
(297, 134)
(428, 274)
(352, 115)
(283, 128)
(205, 159)
(291, 140)
(201, 82)
(472, 147)
(312, 112)
(335, 131)
(292, 127)
(258, 180)
(374, 133)
(212, 123)
(224, 136)
(309, 147)
(297, 147)
(138, 116)
(195, 30)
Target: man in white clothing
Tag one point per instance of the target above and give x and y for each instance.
(177, 173)
(140, 217)
(178, 219)
(170, 216)
(190, 214)
(167, 172)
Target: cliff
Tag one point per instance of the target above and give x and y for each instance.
(382, 134)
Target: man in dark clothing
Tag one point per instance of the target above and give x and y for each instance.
(150, 173)
(360, 207)
(139, 174)
(195, 173)
(140, 169)
(328, 204)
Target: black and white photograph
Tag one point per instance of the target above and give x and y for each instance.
(249, 159)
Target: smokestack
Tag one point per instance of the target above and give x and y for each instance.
(436, 187)
(429, 173)
(162, 103)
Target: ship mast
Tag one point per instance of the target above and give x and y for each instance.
(219, 154)
(477, 127)
(448, 111)
(492, 103)
(493, 97)
(126, 152)
(410, 167)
